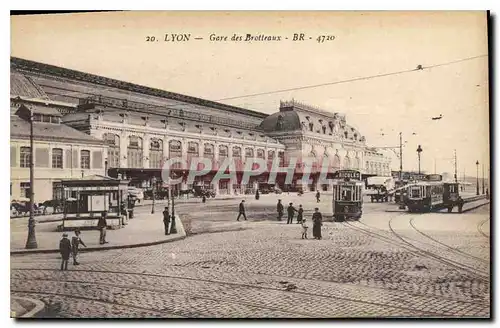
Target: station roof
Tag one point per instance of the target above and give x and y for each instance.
(48, 131)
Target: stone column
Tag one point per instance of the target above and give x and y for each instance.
(145, 151)
(123, 149)
(230, 155)
(216, 160)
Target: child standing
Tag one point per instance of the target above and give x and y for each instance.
(304, 228)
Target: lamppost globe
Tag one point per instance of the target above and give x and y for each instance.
(419, 150)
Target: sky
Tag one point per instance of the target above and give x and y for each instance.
(366, 44)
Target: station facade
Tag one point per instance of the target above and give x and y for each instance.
(140, 127)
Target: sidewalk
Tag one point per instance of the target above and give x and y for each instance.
(143, 230)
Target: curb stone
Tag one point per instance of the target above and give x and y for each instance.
(39, 307)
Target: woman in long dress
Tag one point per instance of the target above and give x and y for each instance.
(317, 223)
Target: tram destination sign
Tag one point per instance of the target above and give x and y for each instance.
(347, 174)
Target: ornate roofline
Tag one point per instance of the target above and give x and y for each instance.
(41, 68)
(308, 108)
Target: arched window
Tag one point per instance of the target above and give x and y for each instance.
(336, 162)
(311, 126)
(113, 142)
(261, 153)
(223, 151)
(236, 152)
(193, 148)
(324, 129)
(175, 151)
(134, 152)
(347, 162)
(249, 153)
(155, 153)
(208, 150)
(85, 159)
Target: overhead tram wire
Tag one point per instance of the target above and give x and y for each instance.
(419, 68)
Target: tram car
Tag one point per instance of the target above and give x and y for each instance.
(426, 196)
(451, 196)
(347, 197)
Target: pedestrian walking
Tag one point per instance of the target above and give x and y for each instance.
(203, 199)
(291, 211)
(241, 211)
(257, 194)
(166, 220)
(102, 224)
(317, 196)
(300, 215)
(280, 208)
(76, 240)
(65, 250)
(304, 228)
(317, 223)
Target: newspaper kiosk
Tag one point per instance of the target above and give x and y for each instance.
(85, 199)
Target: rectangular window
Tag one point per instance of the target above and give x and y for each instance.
(25, 189)
(46, 118)
(85, 159)
(37, 118)
(57, 158)
(25, 157)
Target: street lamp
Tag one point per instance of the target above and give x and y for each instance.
(31, 242)
(419, 150)
(477, 178)
(153, 181)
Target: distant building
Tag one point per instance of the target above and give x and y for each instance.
(376, 163)
(60, 152)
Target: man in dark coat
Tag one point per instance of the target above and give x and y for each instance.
(257, 194)
(166, 220)
(102, 224)
(317, 196)
(241, 211)
(280, 208)
(76, 240)
(65, 250)
(300, 214)
(291, 211)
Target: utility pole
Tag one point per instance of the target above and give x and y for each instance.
(483, 177)
(456, 166)
(477, 178)
(401, 157)
(31, 242)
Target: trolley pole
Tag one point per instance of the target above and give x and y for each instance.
(31, 242)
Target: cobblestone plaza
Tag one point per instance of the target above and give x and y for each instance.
(387, 265)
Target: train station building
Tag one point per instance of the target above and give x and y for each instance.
(137, 128)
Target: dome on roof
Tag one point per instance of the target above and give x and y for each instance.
(281, 121)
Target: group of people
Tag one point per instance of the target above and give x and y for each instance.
(67, 247)
(317, 217)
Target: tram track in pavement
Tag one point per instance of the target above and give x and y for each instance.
(479, 225)
(459, 252)
(302, 293)
(412, 248)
